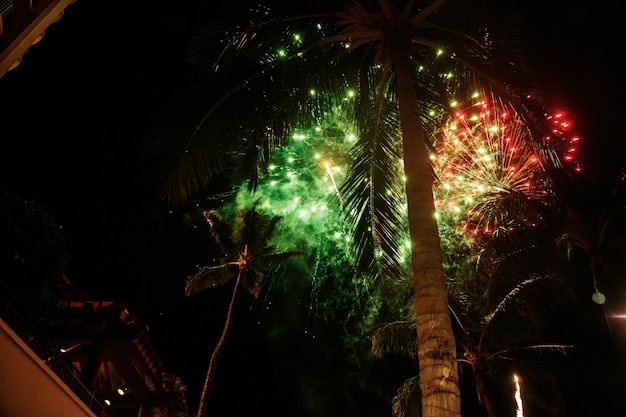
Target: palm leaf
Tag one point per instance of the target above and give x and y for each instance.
(527, 310)
(514, 255)
(398, 337)
(265, 262)
(209, 277)
(406, 403)
(269, 260)
(244, 84)
(370, 194)
(220, 231)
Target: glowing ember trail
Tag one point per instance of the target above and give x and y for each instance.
(518, 397)
(332, 178)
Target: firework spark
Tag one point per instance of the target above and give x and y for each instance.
(481, 158)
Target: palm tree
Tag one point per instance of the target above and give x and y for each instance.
(248, 258)
(409, 58)
(524, 340)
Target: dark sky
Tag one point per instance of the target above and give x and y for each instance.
(76, 109)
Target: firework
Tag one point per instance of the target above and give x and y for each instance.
(483, 164)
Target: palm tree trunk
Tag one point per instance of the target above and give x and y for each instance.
(438, 368)
(217, 352)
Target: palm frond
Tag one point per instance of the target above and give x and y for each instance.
(255, 230)
(252, 163)
(407, 402)
(372, 189)
(505, 210)
(514, 255)
(253, 280)
(541, 350)
(209, 277)
(528, 311)
(220, 231)
(264, 263)
(262, 70)
(398, 337)
(267, 230)
(268, 260)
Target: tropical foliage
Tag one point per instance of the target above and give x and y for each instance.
(33, 255)
(247, 258)
(404, 62)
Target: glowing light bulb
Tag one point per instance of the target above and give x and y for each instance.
(598, 298)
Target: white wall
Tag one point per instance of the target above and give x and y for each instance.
(28, 387)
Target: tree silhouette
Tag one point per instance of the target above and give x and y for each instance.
(33, 253)
(248, 258)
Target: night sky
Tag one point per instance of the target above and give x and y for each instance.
(74, 114)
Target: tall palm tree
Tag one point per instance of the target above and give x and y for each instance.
(406, 56)
(248, 258)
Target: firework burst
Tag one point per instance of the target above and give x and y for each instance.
(487, 175)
